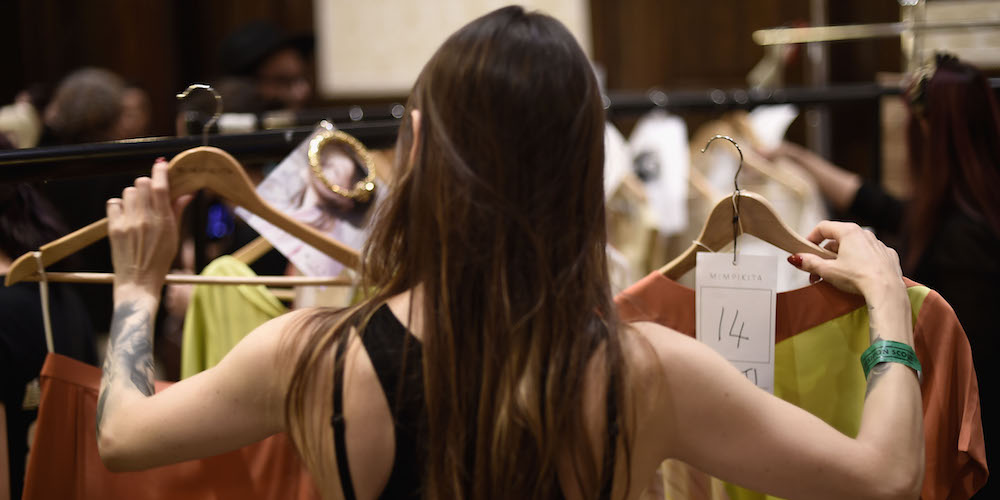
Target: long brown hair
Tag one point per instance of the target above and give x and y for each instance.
(954, 141)
(499, 219)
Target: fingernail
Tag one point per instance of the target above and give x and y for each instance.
(813, 278)
(795, 260)
(161, 160)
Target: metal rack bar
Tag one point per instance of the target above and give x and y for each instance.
(86, 160)
(783, 36)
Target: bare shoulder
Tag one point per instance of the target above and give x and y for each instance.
(283, 332)
(275, 344)
(651, 346)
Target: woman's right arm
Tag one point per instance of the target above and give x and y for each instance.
(722, 424)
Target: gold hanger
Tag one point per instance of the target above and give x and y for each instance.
(198, 168)
(363, 189)
(744, 212)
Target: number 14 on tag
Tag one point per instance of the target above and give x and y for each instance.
(735, 309)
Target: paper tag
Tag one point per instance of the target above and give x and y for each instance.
(290, 188)
(735, 306)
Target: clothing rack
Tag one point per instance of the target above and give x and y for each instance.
(391, 110)
(135, 156)
(814, 34)
(624, 104)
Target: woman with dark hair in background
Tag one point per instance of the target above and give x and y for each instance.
(489, 361)
(27, 221)
(950, 227)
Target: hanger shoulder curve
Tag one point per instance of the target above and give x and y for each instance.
(757, 218)
(760, 219)
(213, 169)
(26, 265)
(197, 168)
(715, 234)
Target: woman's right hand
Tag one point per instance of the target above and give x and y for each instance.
(864, 265)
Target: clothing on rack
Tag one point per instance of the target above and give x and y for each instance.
(65, 464)
(658, 147)
(646, 182)
(617, 161)
(820, 333)
(620, 272)
(219, 316)
(629, 219)
(961, 264)
(22, 352)
(632, 230)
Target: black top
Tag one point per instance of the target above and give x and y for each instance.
(398, 361)
(962, 263)
(22, 352)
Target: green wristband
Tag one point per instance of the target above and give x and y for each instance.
(888, 351)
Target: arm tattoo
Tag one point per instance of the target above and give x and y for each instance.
(106, 378)
(130, 350)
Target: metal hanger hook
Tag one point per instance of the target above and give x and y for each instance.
(736, 193)
(736, 177)
(218, 107)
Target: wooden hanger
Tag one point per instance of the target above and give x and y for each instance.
(744, 212)
(253, 251)
(197, 168)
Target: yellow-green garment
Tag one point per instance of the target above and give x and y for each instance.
(219, 316)
(820, 334)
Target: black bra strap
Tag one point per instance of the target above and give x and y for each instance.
(339, 430)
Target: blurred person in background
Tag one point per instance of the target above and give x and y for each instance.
(94, 105)
(136, 113)
(85, 108)
(949, 229)
(276, 64)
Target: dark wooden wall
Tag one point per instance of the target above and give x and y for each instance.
(682, 45)
(163, 45)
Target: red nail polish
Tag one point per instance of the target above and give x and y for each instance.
(795, 260)
(161, 160)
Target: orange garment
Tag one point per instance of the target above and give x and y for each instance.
(820, 333)
(64, 463)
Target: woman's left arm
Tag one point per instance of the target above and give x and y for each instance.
(233, 404)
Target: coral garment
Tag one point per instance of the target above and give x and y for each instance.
(64, 463)
(820, 333)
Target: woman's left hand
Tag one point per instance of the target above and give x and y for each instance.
(142, 228)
